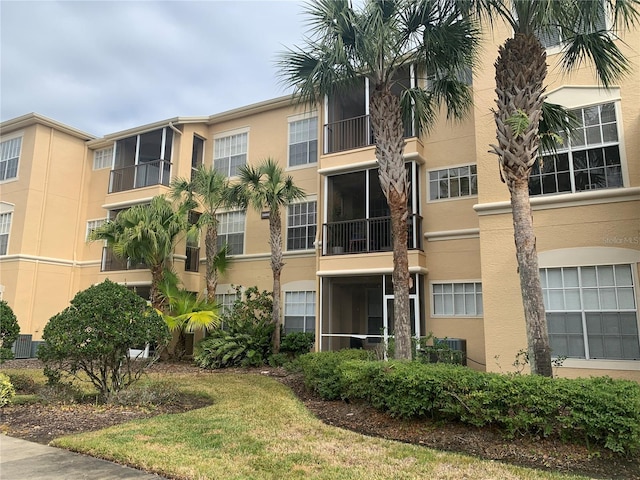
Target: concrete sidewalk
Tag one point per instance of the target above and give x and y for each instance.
(22, 460)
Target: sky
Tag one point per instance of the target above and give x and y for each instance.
(106, 66)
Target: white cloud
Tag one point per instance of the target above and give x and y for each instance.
(107, 66)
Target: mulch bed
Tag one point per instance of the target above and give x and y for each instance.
(42, 423)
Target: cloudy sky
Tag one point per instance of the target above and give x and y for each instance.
(105, 66)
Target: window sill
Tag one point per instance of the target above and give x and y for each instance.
(601, 364)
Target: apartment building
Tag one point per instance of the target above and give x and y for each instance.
(57, 183)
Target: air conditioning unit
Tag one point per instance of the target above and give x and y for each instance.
(458, 344)
(22, 347)
(34, 348)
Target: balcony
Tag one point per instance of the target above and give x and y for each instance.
(112, 263)
(353, 133)
(192, 263)
(157, 172)
(367, 235)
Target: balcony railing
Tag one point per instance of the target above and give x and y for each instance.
(145, 174)
(112, 263)
(192, 263)
(367, 235)
(352, 133)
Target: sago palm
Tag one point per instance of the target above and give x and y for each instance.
(379, 41)
(209, 190)
(267, 187)
(521, 70)
(146, 233)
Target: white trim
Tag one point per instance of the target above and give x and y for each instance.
(587, 256)
(6, 207)
(127, 203)
(564, 200)
(230, 133)
(452, 234)
(453, 282)
(601, 364)
(580, 96)
(366, 271)
(354, 167)
(302, 116)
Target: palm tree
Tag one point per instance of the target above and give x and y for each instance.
(185, 312)
(521, 71)
(146, 233)
(377, 42)
(209, 189)
(266, 187)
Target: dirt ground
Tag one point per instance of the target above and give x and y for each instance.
(42, 423)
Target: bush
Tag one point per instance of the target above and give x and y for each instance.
(9, 331)
(23, 384)
(149, 394)
(297, 343)
(7, 392)
(597, 410)
(93, 335)
(245, 339)
(321, 370)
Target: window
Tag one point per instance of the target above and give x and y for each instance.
(5, 228)
(197, 154)
(103, 158)
(553, 36)
(92, 225)
(225, 301)
(230, 153)
(9, 156)
(591, 311)
(301, 226)
(453, 182)
(303, 142)
(457, 299)
(231, 232)
(299, 312)
(588, 160)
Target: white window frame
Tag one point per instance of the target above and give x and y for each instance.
(464, 288)
(305, 136)
(585, 147)
(580, 296)
(236, 147)
(5, 229)
(472, 179)
(5, 151)
(307, 226)
(306, 316)
(103, 158)
(92, 225)
(224, 224)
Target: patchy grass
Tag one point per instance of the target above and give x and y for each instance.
(256, 429)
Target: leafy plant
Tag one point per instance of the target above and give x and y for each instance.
(245, 339)
(297, 343)
(9, 331)
(7, 392)
(90, 339)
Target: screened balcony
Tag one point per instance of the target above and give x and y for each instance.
(367, 235)
(112, 263)
(146, 174)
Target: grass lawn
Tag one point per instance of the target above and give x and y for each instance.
(257, 429)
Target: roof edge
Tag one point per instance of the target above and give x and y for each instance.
(36, 119)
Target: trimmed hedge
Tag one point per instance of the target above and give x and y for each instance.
(596, 410)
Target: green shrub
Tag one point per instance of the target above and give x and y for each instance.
(597, 410)
(245, 339)
(23, 384)
(9, 331)
(321, 370)
(7, 392)
(90, 339)
(297, 343)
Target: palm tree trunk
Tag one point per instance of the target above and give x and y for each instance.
(275, 241)
(386, 120)
(157, 273)
(520, 72)
(211, 247)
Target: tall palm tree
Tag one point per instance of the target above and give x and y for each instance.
(266, 187)
(521, 71)
(208, 189)
(146, 233)
(378, 41)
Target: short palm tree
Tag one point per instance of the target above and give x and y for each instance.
(209, 190)
(378, 41)
(521, 71)
(266, 187)
(146, 233)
